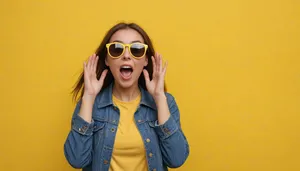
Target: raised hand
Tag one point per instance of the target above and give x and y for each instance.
(156, 86)
(92, 85)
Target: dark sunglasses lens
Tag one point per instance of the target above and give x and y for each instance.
(137, 50)
(116, 49)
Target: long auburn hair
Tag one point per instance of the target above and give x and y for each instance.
(102, 53)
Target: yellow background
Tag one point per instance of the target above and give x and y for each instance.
(234, 69)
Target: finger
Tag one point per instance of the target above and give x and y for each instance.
(165, 68)
(103, 75)
(88, 63)
(159, 59)
(85, 72)
(95, 63)
(146, 75)
(154, 64)
(157, 62)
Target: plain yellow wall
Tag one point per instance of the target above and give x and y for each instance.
(234, 69)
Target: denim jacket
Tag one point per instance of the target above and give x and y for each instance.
(90, 145)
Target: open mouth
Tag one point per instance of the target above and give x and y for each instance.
(126, 71)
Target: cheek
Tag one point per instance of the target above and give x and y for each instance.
(141, 64)
(111, 64)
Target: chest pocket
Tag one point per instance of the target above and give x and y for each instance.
(100, 121)
(98, 131)
(151, 118)
(99, 125)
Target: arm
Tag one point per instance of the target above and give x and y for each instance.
(78, 145)
(173, 143)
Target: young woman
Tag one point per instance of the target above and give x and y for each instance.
(124, 119)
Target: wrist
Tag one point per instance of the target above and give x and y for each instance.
(88, 98)
(160, 97)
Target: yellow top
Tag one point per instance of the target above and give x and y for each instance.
(129, 152)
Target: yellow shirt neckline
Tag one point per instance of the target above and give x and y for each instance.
(134, 101)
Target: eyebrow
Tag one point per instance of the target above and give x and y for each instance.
(135, 41)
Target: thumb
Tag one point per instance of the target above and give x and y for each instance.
(103, 75)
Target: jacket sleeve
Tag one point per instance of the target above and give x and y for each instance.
(78, 145)
(173, 143)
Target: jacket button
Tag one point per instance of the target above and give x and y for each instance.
(105, 162)
(139, 121)
(150, 154)
(147, 140)
(84, 128)
(112, 129)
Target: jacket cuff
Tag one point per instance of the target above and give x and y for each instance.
(81, 126)
(167, 129)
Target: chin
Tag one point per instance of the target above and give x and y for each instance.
(126, 84)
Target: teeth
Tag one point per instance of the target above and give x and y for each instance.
(126, 67)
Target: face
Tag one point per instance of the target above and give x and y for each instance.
(126, 69)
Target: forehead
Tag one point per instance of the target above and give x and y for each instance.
(127, 36)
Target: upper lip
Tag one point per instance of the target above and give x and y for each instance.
(127, 65)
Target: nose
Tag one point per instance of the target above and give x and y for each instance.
(126, 53)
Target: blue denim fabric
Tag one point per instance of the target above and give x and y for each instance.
(90, 145)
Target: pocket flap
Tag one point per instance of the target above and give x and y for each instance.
(152, 123)
(99, 125)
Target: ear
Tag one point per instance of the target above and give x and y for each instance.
(106, 63)
(146, 61)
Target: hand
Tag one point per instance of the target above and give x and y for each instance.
(156, 86)
(92, 85)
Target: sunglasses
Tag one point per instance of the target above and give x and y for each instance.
(117, 49)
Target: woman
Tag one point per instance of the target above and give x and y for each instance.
(124, 119)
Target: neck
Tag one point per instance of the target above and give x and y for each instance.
(126, 94)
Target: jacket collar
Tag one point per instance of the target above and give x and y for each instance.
(104, 98)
